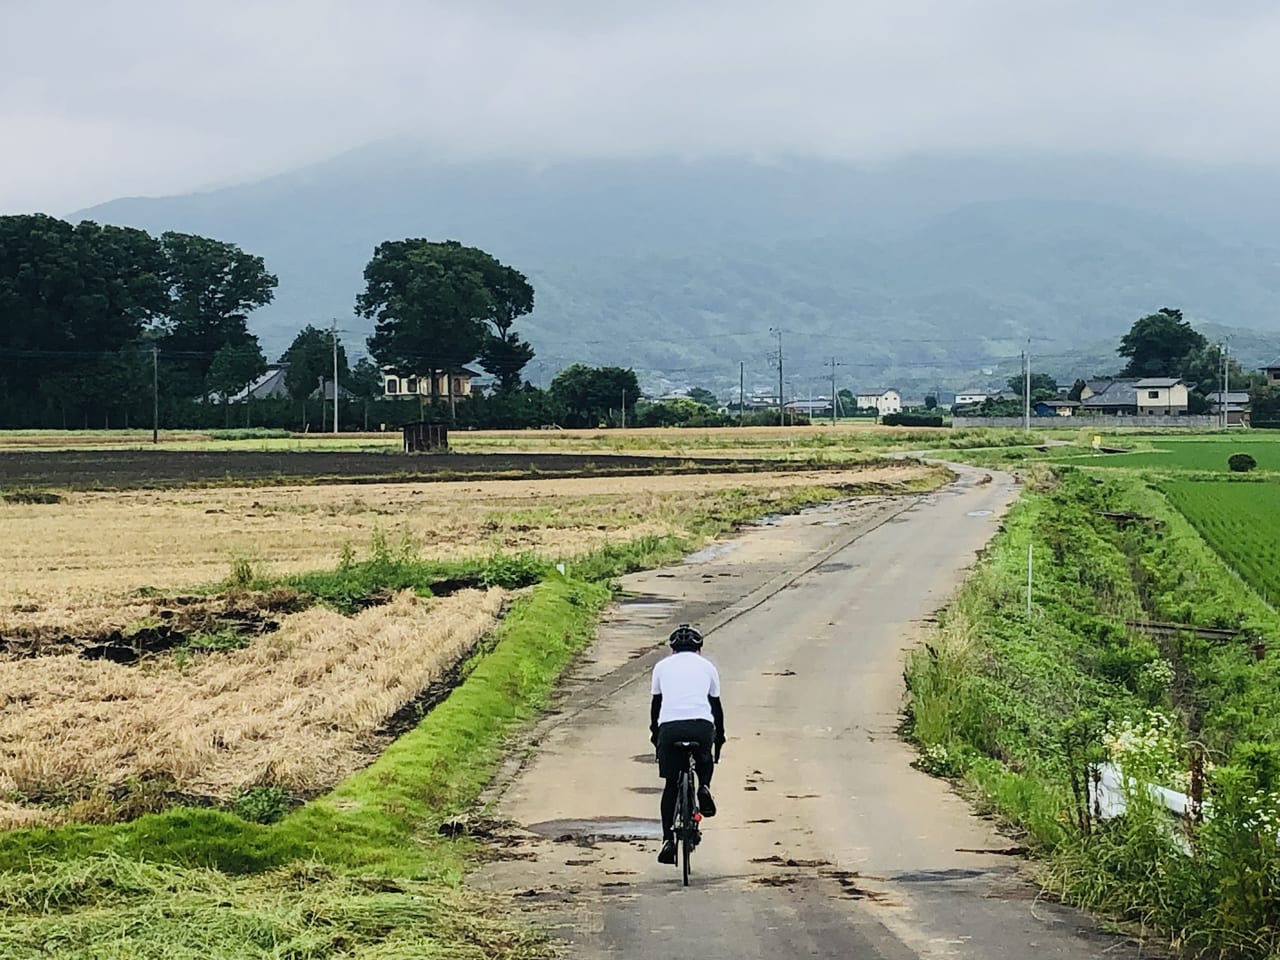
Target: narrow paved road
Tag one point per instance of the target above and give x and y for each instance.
(828, 844)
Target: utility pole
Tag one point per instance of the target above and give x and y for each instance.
(1226, 383)
(1026, 388)
(782, 405)
(155, 394)
(624, 408)
(742, 400)
(335, 377)
(833, 362)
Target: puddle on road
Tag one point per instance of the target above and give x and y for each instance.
(938, 876)
(599, 828)
(712, 552)
(648, 607)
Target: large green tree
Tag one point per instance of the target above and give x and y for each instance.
(309, 359)
(366, 380)
(1203, 369)
(213, 287)
(437, 306)
(1043, 386)
(592, 395)
(1159, 345)
(705, 397)
(72, 299)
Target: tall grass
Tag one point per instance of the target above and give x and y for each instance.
(1021, 706)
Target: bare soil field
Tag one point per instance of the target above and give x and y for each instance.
(143, 469)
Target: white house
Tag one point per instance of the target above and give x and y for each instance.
(884, 399)
(966, 397)
(396, 385)
(1162, 396)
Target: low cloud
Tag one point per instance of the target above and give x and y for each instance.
(145, 96)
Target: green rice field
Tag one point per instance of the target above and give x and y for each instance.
(1240, 521)
(1207, 454)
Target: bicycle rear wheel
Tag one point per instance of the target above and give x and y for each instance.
(684, 837)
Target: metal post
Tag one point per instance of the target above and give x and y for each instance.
(1030, 566)
(322, 409)
(1026, 389)
(624, 408)
(1226, 384)
(742, 380)
(155, 394)
(782, 406)
(833, 391)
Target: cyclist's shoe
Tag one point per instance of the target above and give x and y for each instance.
(706, 806)
(667, 854)
(695, 839)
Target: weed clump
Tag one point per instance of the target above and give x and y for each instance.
(1241, 463)
(262, 804)
(250, 433)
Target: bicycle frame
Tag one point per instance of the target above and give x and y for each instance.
(687, 816)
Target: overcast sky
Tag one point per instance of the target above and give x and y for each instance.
(103, 98)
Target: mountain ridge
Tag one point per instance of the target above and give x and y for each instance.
(931, 272)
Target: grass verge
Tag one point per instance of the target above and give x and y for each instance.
(1021, 708)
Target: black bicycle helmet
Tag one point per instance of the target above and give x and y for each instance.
(685, 637)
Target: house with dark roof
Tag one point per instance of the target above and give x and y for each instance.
(1272, 371)
(271, 386)
(1234, 404)
(1113, 397)
(1055, 408)
(267, 387)
(1135, 396)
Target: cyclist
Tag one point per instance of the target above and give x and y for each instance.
(686, 707)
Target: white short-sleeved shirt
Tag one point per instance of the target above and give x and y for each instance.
(685, 680)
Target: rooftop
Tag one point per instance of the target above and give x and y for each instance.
(1232, 397)
(1114, 393)
(1149, 382)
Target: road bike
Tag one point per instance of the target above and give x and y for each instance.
(688, 818)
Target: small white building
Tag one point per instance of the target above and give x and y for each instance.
(967, 397)
(1162, 396)
(883, 399)
(398, 385)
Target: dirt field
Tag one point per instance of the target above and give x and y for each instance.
(60, 563)
(142, 469)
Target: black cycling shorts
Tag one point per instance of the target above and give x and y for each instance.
(671, 760)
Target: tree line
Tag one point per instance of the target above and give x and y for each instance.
(98, 322)
(83, 307)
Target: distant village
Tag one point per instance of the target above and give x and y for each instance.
(1139, 397)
